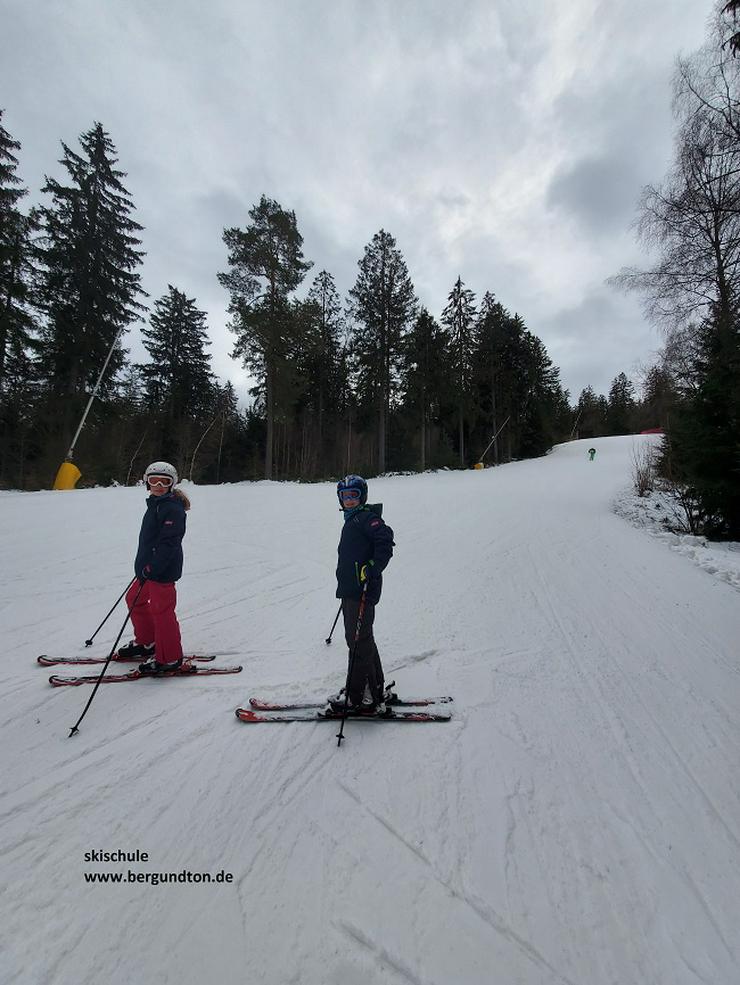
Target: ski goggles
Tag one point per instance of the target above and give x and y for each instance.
(164, 481)
(348, 496)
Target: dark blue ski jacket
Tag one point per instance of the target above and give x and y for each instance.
(365, 539)
(159, 556)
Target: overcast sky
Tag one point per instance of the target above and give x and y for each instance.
(505, 141)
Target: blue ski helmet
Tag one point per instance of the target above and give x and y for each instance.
(352, 482)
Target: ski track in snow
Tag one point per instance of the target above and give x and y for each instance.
(577, 822)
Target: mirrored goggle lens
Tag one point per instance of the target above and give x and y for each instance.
(347, 495)
(159, 480)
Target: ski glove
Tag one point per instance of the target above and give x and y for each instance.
(367, 573)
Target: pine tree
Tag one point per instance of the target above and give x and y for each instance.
(180, 386)
(323, 352)
(659, 396)
(489, 336)
(90, 285)
(17, 322)
(621, 406)
(703, 446)
(542, 417)
(383, 303)
(267, 264)
(425, 377)
(591, 414)
(502, 370)
(459, 317)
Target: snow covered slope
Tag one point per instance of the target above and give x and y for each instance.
(578, 821)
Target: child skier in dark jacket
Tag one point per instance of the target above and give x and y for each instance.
(365, 548)
(152, 597)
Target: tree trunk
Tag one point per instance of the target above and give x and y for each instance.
(494, 419)
(462, 438)
(381, 436)
(269, 400)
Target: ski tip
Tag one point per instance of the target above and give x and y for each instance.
(248, 715)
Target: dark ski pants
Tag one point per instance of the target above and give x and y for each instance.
(366, 667)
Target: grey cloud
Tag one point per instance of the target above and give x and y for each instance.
(370, 114)
(598, 338)
(600, 192)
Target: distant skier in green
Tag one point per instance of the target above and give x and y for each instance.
(591, 454)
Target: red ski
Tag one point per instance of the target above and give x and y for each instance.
(249, 715)
(187, 670)
(261, 704)
(49, 661)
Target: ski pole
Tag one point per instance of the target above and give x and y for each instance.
(90, 641)
(328, 638)
(75, 728)
(360, 616)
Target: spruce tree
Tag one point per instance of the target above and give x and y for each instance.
(18, 325)
(621, 408)
(425, 378)
(266, 264)
(323, 352)
(489, 335)
(542, 418)
(382, 303)
(658, 398)
(703, 444)
(179, 379)
(459, 317)
(17, 322)
(90, 287)
(591, 414)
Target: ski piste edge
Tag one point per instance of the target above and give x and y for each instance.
(261, 704)
(48, 660)
(250, 716)
(136, 675)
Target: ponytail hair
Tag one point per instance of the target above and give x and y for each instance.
(182, 497)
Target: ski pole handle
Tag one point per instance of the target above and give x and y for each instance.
(90, 641)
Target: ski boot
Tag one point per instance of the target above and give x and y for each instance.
(152, 668)
(367, 707)
(389, 695)
(133, 650)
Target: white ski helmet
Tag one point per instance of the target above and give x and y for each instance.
(161, 468)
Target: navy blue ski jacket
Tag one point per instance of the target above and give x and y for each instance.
(159, 556)
(365, 539)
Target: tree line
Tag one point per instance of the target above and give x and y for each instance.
(691, 219)
(372, 383)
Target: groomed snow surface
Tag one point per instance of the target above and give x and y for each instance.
(578, 820)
